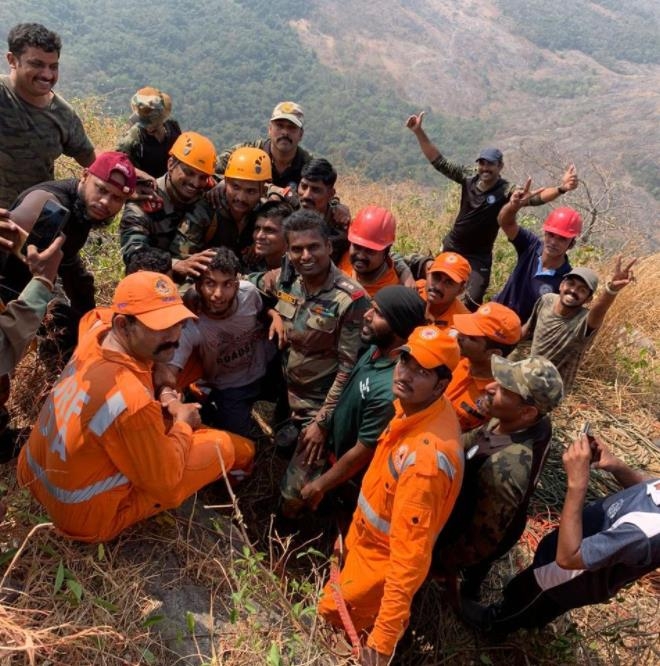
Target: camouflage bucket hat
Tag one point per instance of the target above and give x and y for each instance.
(535, 379)
(150, 107)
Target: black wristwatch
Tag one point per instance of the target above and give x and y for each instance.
(561, 190)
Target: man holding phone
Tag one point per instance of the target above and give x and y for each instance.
(595, 551)
(74, 207)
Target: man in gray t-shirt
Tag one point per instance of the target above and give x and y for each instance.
(36, 124)
(229, 341)
(561, 327)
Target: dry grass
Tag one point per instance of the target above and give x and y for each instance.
(80, 604)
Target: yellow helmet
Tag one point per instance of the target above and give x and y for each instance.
(196, 151)
(249, 164)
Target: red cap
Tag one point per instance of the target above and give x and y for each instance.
(432, 347)
(457, 267)
(152, 298)
(116, 169)
(492, 320)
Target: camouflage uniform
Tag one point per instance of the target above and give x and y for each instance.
(225, 230)
(177, 229)
(32, 138)
(323, 330)
(145, 151)
(501, 474)
(285, 179)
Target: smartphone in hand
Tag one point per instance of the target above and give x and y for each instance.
(49, 224)
(595, 450)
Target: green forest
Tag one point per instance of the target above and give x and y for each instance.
(226, 64)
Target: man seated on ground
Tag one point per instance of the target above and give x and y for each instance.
(369, 259)
(322, 313)
(541, 264)
(594, 553)
(229, 339)
(365, 405)
(105, 452)
(504, 462)
(445, 282)
(181, 218)
(492, 330)
(248, 170)
(269, 241)
(407, 494)
(285, 131)
(152, 134)
(36, 124)
(482, 196)
(561, 328)
(91, 201)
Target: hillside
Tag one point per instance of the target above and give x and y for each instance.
(546, 86)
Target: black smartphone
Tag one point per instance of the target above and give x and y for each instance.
(49, 224)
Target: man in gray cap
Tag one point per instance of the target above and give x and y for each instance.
(365, 405)
(482, 196)
(561, 327)
(504, 462)
(285, 131)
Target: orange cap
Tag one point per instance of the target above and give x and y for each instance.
(493, 321)
(457, 267)
(432, 347)
(152, 298)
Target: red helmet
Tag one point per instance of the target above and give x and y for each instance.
(564, 222)
(373, 227)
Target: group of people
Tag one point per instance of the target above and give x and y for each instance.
(399, 393)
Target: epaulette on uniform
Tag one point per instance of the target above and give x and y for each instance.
(354, 290)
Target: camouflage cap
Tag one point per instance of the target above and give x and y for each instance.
(535, 379)
(150, 107)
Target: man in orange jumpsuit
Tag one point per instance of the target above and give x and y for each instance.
(493, 330)
(445, 282)
(105, 453)
(407, 495)
(369, 259)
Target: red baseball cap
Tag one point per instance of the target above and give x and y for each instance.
(115, 168)
(492, 320)
(152, 298)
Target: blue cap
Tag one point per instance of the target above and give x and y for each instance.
(493, 155)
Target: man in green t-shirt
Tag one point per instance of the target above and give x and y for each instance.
(36, 124)
(365, 404)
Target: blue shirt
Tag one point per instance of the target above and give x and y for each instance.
(528, 281)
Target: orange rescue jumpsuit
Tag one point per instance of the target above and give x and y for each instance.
(388, 278)
(406, 497)
(466, 394)
(101, 456)
(446, 319)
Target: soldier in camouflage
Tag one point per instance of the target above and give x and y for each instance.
(182, 218)
(285, 130)
(152, 134)
(322, 310)
(36, 124)
(504, 462)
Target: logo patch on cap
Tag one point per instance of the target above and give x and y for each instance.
(429, 333)
(162, 288)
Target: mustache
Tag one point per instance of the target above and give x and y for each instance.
(165, 346)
